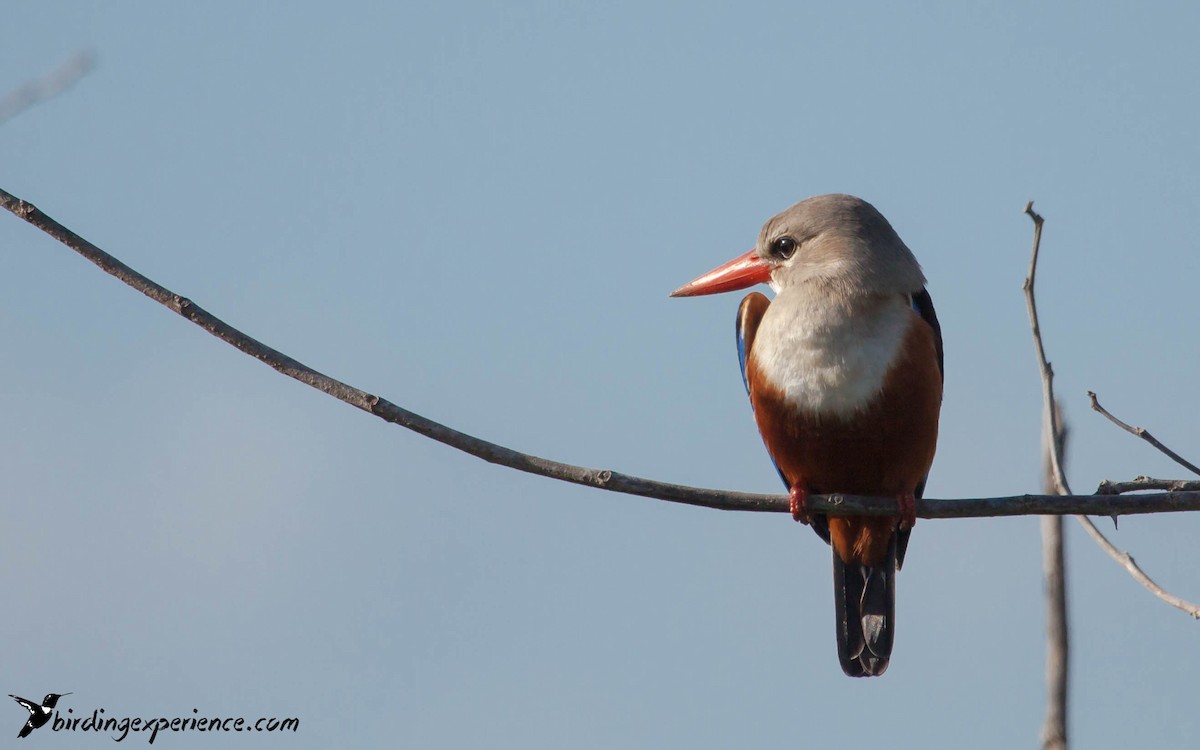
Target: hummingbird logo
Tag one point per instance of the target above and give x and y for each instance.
(38, 715)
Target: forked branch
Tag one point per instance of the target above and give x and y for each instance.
(1124, 559)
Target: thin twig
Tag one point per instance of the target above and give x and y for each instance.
(1144, 435)
(600, 478)
(1141, 484)
(51, 84)
(1050, 418)
(1124, 559)
(1054, 577)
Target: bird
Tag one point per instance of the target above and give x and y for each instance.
(844, 370)
(38, 715)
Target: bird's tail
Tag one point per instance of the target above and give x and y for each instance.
(865, 603)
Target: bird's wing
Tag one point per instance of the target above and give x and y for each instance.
(750, 314)
(923, 304)
(29, 706)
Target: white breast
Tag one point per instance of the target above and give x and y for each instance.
(829, 357)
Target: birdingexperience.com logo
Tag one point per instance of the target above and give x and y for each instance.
(48, 714)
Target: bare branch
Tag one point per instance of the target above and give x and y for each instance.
(1050, 417)
(1124, 559)
(1144, 435)
(1141, 484)
(1054, 577)
(600, 478)
(53, 83)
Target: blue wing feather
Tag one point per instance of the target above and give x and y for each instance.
(743, 354)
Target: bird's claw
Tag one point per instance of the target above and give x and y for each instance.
(798, 498)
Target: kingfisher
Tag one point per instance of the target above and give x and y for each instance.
(38, 715)
(844, 373)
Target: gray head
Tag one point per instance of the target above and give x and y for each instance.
(839, 244)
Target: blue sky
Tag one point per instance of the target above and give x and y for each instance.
(477, 211)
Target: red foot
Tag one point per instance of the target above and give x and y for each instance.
(799, 504)
(908, 510)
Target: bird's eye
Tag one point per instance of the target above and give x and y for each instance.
(783, 248)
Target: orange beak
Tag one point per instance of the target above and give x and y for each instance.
(739, 273)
